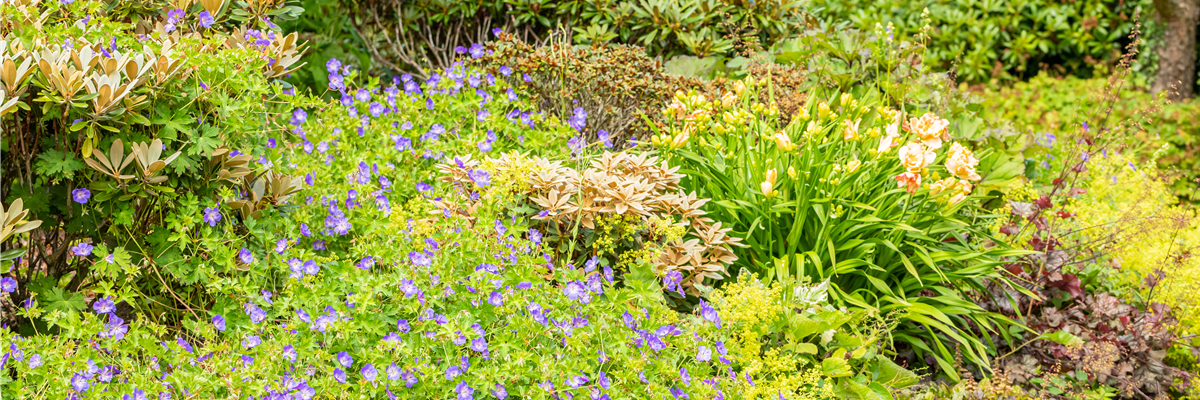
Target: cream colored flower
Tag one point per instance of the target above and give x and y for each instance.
(961, 162)
(852, 166)
(851, 129)
(892, 138)
(676, 109)
(768, 185)
(728, 100)
(930, 129)
(916, 157)
(784, 142)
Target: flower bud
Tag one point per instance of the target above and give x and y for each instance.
(784, 142)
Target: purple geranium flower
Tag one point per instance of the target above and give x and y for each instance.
(82, 250)
(8, 284)
(206, 19)
(212, 215)
(104, 305)
(81, 195)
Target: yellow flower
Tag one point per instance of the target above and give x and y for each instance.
(791, 172)
(959, 189)
(847, 102)
(916, 157)
(851, 129)
(823, 110)
(784, 142)
(813, 129)
(768, 185)
(739, 87)
(801, 114)
(961, 162)
(888, 113)
(680, 140)
(731, 118)
(853, 166)
(930, 129)
(728, 100)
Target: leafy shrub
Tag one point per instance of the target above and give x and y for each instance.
(754, 310)
(821, 197)
(111, 133)
(1049, 108)
(410, 36)
(614, 85)
(627, 208)
(986, 41)
(1077, 274)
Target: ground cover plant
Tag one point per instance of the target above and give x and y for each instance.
(815, 215)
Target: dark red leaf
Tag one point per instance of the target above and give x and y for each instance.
(1044, 202)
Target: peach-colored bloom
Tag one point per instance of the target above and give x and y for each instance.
(892, 138)
(851, 129)
(916, 156)
(910, 181)
(961, 162)
(930, 129)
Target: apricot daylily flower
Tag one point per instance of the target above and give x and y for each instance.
(851, 129)
(892, 137)
(916, 157)
(910, 181)
(961, 162)
(930, 129)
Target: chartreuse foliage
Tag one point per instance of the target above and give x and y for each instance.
(820, 198)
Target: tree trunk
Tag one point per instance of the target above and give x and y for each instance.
(1177, 53)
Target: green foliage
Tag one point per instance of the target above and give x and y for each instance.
(412, 36)
(614, 86)
(821, 196)
(1048, 108)
(985, 41)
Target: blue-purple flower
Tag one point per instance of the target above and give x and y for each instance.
(246, 256)
(480, 177)
(218, 322)
(206, 19)
(82, 249)
(81, 195)
(8, 284)
(104, 305)
(345, 359)
(212, 215)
